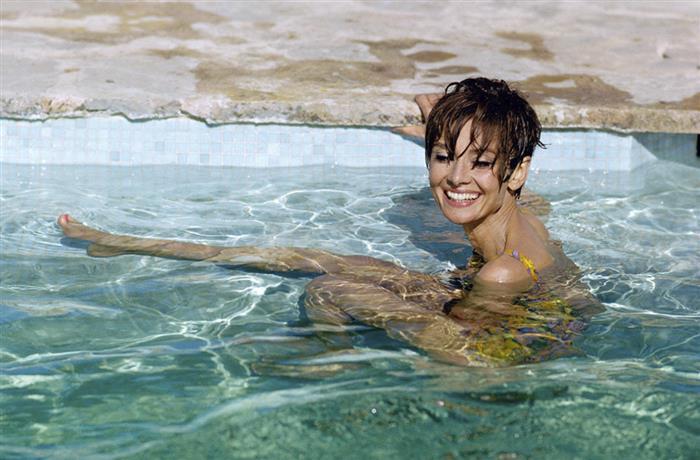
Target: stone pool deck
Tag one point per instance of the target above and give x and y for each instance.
(625, 66)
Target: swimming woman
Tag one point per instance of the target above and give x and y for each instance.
(508, 305)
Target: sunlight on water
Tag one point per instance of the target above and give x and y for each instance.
(141, 357)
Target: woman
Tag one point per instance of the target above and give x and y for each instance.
(499, 310)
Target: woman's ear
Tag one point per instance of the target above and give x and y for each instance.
(519, 175)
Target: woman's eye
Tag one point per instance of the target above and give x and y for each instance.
(441, 157)
(482, 164)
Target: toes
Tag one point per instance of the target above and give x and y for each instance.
(70, 226)
(66, 219)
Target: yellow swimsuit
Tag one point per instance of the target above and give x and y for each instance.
(541, 326)
(529, 265)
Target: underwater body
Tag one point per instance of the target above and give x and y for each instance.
(136, 356)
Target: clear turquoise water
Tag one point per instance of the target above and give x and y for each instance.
(136, 357)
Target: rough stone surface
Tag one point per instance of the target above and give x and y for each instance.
(628, 66)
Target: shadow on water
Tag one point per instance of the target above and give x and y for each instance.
(74, 243)
(429, 229)
(432, 232)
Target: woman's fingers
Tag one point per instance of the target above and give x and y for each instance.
(417, 131)
(426, 102)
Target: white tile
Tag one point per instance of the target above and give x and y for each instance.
(187, 141)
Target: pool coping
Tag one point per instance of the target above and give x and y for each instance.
(595, 66)
(618, 119)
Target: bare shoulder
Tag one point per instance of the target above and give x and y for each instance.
(536, 225)
(504, 272)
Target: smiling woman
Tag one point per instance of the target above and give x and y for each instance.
(479, 142)
(503, 308)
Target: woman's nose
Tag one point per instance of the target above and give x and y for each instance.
(459, 173)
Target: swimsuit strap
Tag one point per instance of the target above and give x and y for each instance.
(529, 265)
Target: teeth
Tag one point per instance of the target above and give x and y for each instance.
(462, 196)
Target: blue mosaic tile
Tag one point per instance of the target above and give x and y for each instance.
(115, 140)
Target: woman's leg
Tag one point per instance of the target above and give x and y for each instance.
(276, 259)
(338, 300)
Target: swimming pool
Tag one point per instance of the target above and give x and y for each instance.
(149, 358)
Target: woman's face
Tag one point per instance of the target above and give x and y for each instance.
(466, 190)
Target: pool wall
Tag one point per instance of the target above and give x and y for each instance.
(183, 141)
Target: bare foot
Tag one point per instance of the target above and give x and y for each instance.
(74, 229)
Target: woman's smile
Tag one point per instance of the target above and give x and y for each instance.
(465, 185)
(461, 199)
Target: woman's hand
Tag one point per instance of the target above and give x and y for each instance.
(425, 102)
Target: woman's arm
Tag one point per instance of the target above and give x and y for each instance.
(425, 104)
(275, 259)
(340, 299)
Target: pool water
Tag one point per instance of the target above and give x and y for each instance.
(137, 357)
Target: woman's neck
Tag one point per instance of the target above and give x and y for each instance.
(490, 236)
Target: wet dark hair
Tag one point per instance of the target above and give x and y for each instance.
(500, 117)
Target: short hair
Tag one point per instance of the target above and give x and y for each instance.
(498, 114)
